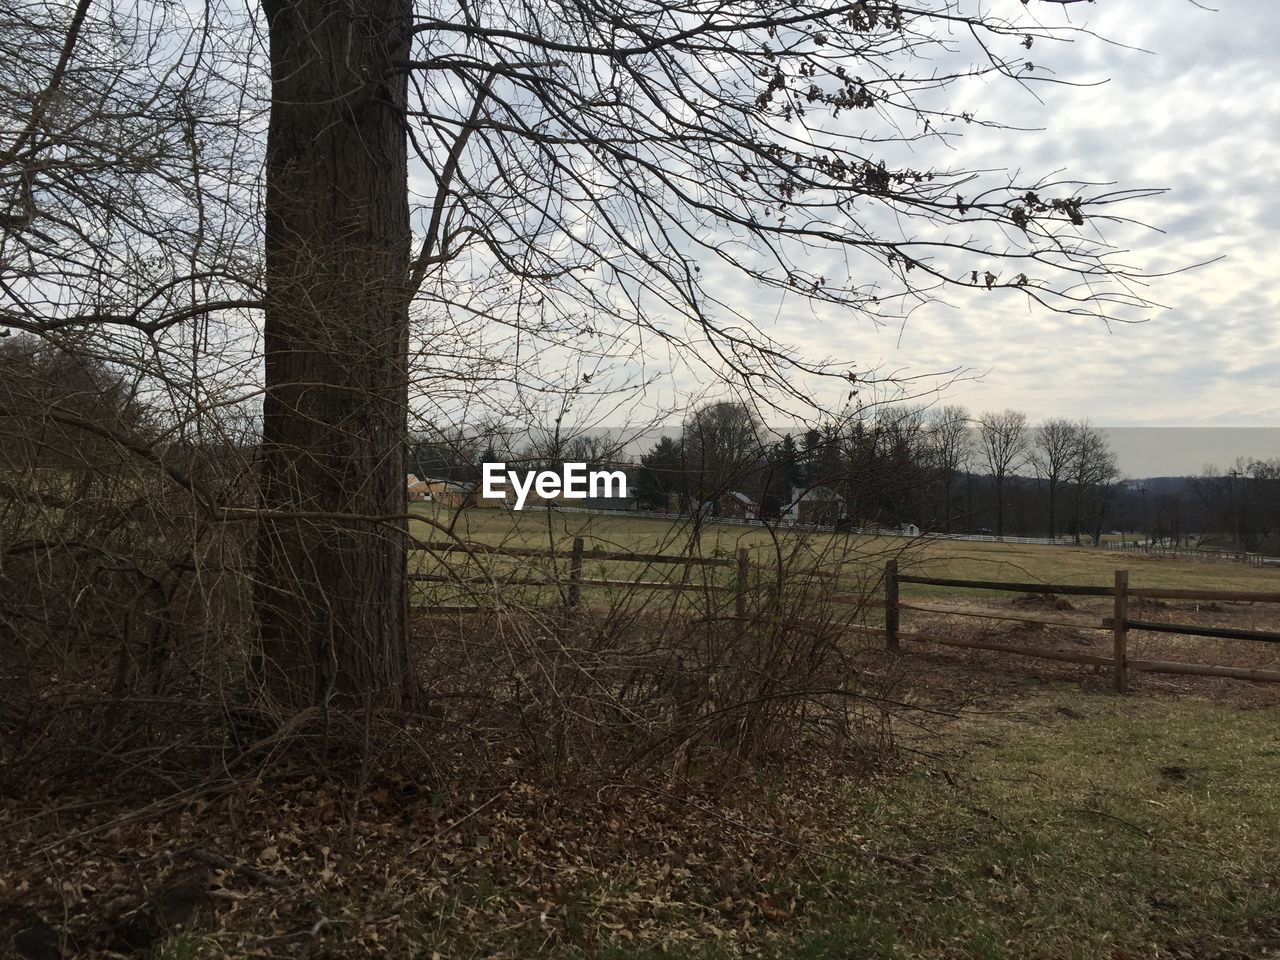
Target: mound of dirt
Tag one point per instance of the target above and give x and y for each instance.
(1041, 601)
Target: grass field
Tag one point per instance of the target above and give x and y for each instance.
(954, 559)
(1072, 827)
(1055, 823)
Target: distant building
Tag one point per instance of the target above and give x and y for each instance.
(735, 505)
(417, 489)
(603, 503)
(820, 506)
(451, 493)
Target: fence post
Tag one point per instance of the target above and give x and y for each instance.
(891, 605)
(1120, 631)
(575, 574)
(740, 592)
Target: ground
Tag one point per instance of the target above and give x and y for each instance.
(978, 560)
(1046, 818)
(1024, 810)
(1069, 822)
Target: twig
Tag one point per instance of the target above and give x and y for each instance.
(236, 866)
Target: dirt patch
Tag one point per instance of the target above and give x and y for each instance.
(1080, 631)
(1041, 601)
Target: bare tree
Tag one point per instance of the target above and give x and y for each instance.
(950, 446)
(723, 446)
(1170, 518)
(1005, 445)
(601, 161)
(1055, 442)
(1093, 469)
(585, 179)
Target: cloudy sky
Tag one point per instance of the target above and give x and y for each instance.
(1164, 95)
(1198, 114)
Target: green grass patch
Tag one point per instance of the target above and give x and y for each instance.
(1076, 828)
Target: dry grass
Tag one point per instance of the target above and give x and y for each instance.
(1048, 823)
(973, 560)
(1082, 565)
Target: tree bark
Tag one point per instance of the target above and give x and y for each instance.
(999, 506)
(1053, 504)
(330, 590)
(1076, 515)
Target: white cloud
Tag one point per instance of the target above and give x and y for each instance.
(1198, 116)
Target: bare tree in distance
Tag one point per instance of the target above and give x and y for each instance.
(1093, 466)
(1241, 503)
(951, 448)
(722, 442)
(1055, 443)
(1004, 443)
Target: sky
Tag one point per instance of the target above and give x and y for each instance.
(1167, 95)
(1191, 103)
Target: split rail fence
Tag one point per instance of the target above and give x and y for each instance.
(573, 584)
(1119, 624)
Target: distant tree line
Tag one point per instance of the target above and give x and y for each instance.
(1236, 507)
(941, 468)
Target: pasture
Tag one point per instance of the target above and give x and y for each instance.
(956, 559)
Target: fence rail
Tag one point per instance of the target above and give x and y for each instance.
(1069, 589)
(1194, 554)
(1118, 624)
(579, 555)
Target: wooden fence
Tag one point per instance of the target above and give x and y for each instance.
(573, 584)
(1118, 624)
(1193, 554)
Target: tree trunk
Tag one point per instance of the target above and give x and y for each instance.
(1076, 515)
(999, 508)
(330, 591)
(1053, 504)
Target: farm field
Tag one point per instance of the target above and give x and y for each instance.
(954, 559)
